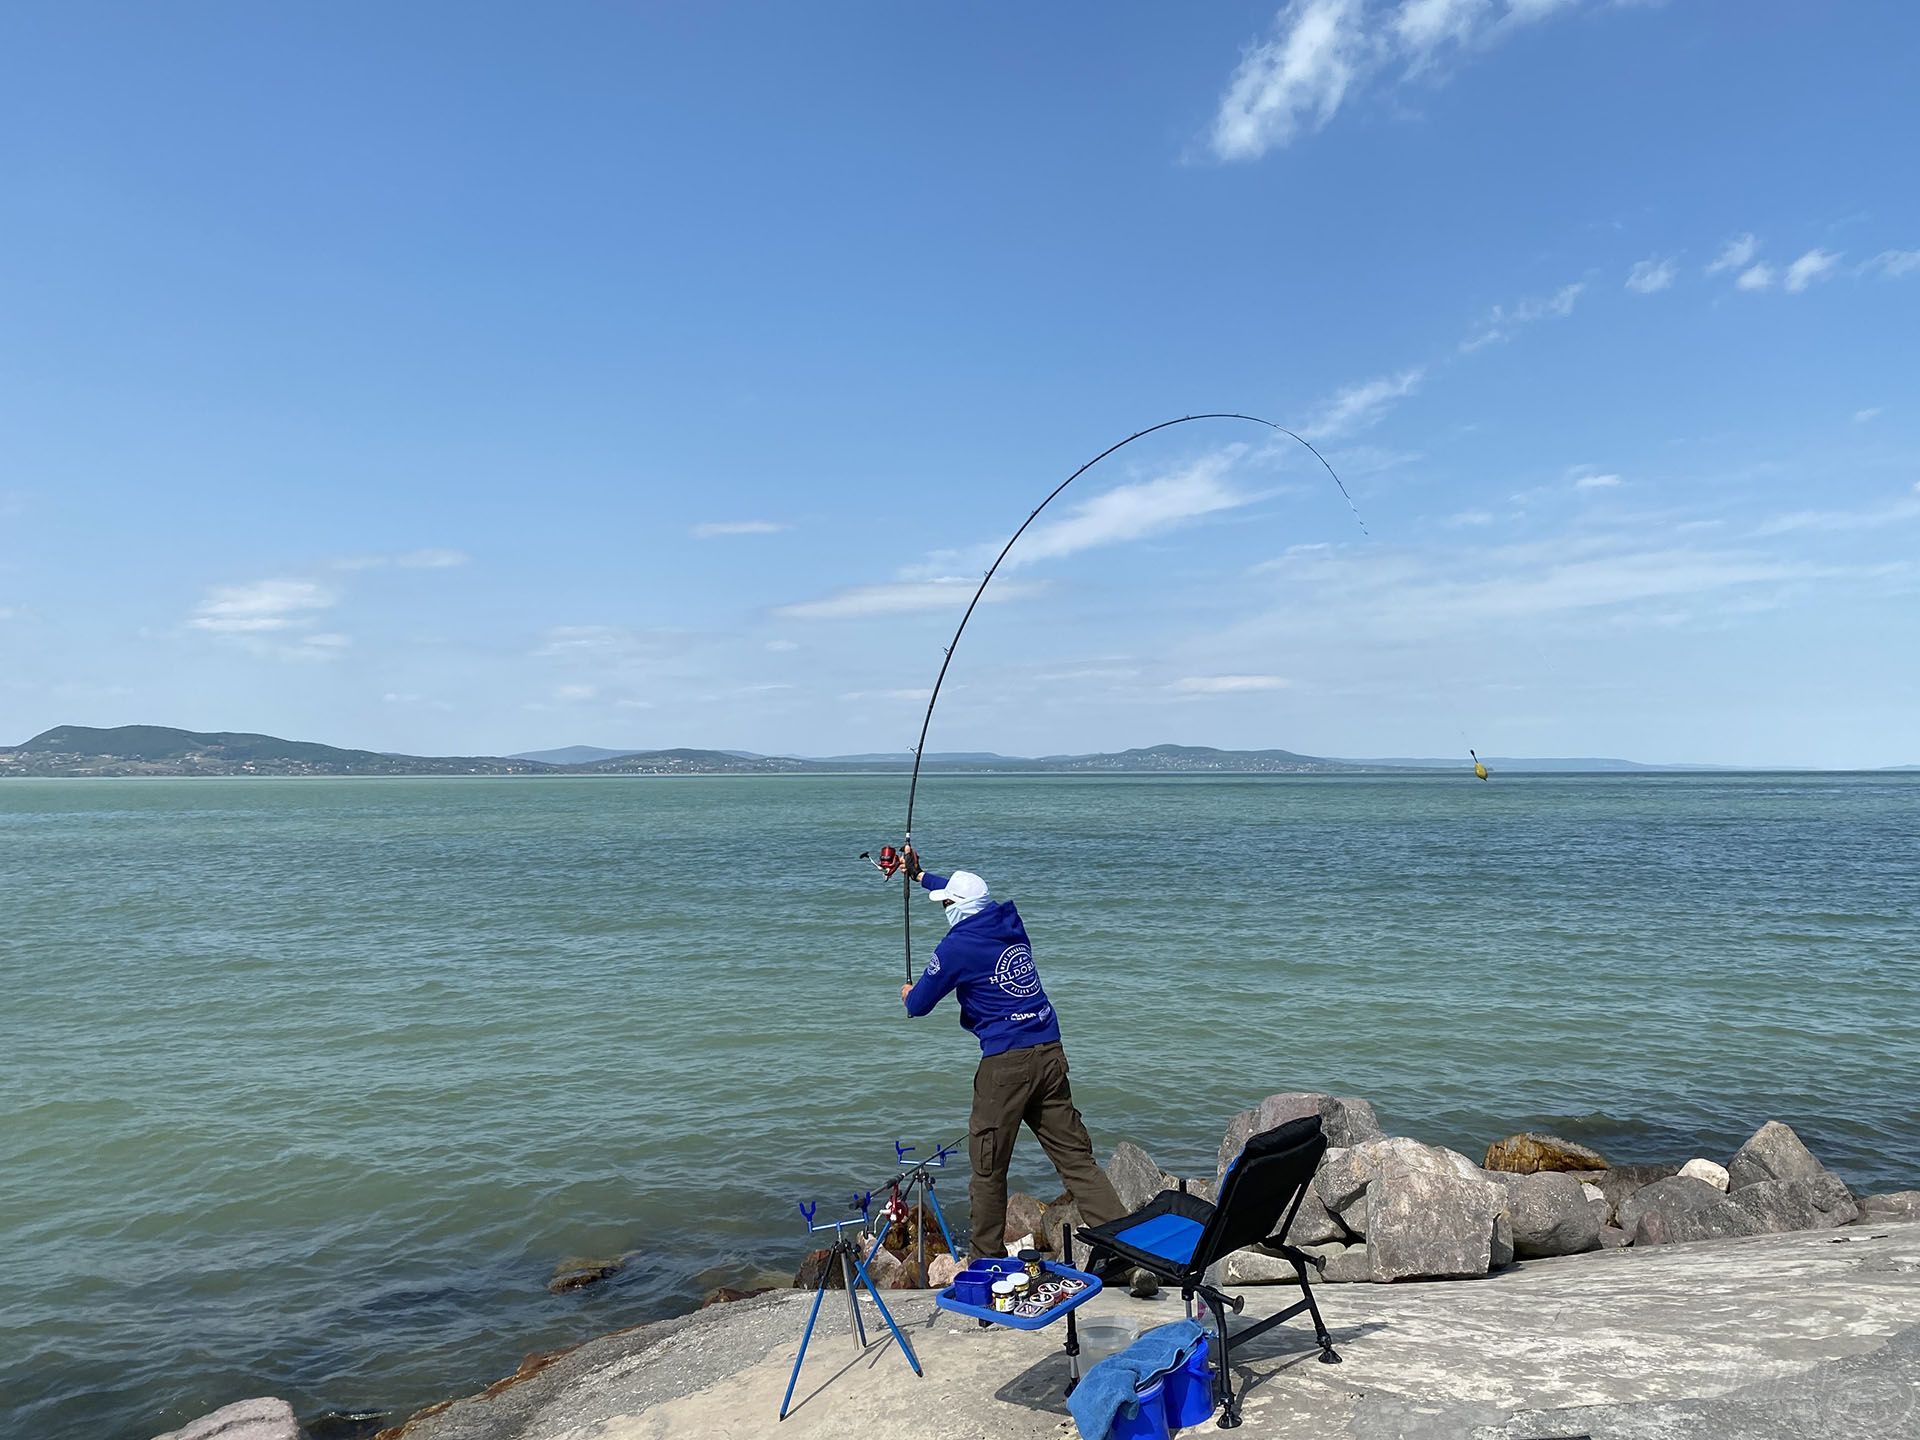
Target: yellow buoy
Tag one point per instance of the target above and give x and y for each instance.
(1479, 770)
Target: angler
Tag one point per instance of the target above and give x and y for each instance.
(987, 960)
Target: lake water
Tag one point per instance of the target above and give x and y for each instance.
(308, 1085)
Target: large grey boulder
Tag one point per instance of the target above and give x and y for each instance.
(1343, 1120)
(1773, 1152)
(1778, 1206)
(1430, 1222)
(1617, 1182)
(1343, 1175)
(1025, 1216)
(1353, 1217)
(1899, 1205)
(1679, 1209)
(262, 1419)
(1136, 1179)
(1551, 1215)
(1530, 1152)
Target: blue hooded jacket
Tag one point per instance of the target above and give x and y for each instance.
(987, 959)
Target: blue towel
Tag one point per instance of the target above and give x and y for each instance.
(1111, 1384)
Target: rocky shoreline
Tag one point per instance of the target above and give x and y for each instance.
(1382, 1209)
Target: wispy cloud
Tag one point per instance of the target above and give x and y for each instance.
(915, 697)
(1502, 321)
(1133, 512)
(1228, 684)
(900, 597)
(264, 605)
(1468, 519)
(1870, 517)
(1892, 264)
(1861, 417)
(1648, 277)
(1358, 406)
(1736, 254)
(1595, 482)
(429, 559)
(713, 529)
(1812, 266)
(1756, 277)
(1293, 82)
(1320, 54)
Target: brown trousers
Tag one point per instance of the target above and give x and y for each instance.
(1030, 1085)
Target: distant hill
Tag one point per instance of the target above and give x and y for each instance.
(572, 755)
(79, 750)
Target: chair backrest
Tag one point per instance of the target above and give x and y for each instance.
(1262, 1188)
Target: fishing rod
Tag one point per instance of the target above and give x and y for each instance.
(919, 750)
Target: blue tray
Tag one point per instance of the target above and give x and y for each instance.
(992, 1316)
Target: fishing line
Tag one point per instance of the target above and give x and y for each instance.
(919, 750)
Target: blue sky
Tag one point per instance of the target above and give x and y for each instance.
(476, 378)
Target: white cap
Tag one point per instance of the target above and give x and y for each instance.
(961, 885)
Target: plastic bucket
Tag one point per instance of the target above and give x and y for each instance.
(1190, 1390)
(1149, 1419)
(969, 1290)
(1101, 1338)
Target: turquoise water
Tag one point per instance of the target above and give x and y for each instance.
(309, 1084)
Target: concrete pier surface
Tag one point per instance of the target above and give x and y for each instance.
(1813, 1334)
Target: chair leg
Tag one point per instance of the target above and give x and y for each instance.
(1328, 1355)
(1229, 1402)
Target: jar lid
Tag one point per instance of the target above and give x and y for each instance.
(1003, 1287)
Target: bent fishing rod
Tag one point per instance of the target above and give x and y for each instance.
(919, 750)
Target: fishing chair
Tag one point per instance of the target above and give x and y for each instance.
(1177, 1236)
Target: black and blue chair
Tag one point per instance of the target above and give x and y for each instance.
(1177, 1236)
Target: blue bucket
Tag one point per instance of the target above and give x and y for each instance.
(1149, 1419)
(1189, 1390)
(970, 1290)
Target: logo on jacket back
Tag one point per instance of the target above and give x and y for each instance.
(1015, 973)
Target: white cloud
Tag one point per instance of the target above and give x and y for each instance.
(1502, 322)
(945, 592)
(1812, 266)
(1870, 518)
(1736, 254)
(1894, 263)
(1321, 53)
(429, 559)
(1229, 684)
(1466, 518)
(1293, 83)
(1358, 406)
(262, 606)
(917, 697)
(1132, 512)
(576, 694)
(1423, 26)
(715, 528)
(1595, 482)
(1650, 276)
(1756, 277)
(1861, 417)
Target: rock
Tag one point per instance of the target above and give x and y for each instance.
(1617, 1182)
(1550, 1214)
(1143, 1284)
(1429, 1222)
(886, 1270)
(1773, 1152)
(1313, 1223)
(1136, 1179)
(1679, 1209)
(941, 1270)
(1345, 1174)
(1257, 1266)
(1347, 1265)
(1527, 1153)
(1353, 1218)
(1203, 1188)
(1699, 1169)
(1500, 1252)
(808, 1275)
(1778, 1206)
(1058, 1215)
(1025, 1216)
(1612, 1237)
(1343, 1121)
(727, 1294)
(1240, 1129)
(577, 1274)
(1899, 1205)
(1597, 1202)
(261, 1419)
(1017, 1243)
